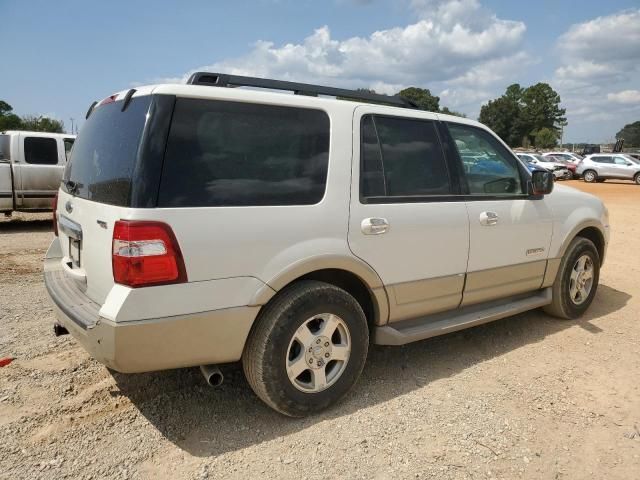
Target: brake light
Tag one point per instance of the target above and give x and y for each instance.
(146, 253)
(55, 214)
(109, 99)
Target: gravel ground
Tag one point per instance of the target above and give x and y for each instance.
(525, 397)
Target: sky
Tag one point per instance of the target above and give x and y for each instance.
(58, 57)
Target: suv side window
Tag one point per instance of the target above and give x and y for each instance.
(621, 161)
(401, 157)
(489, 168)
(222, 153)
(41, 150)
(602, 159)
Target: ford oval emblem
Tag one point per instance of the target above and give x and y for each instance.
(68, 207)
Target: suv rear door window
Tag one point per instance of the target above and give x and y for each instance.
(41, 150)
(223, 153)
(401, 157)
(489, 167)
(602, 159)
(104, 156)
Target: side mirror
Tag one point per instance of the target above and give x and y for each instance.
(541, 182)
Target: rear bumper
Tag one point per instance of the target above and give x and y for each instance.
(211, 337)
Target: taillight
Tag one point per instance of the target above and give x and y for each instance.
(55, 214)
(146, 253)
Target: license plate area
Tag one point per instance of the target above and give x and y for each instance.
(74, 252)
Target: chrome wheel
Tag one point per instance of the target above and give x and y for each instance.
(581, 280)
(318, 353)
(590, 176)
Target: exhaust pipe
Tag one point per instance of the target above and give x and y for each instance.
(212, 375)
(59, 330)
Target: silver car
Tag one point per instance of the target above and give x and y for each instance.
(601, 166)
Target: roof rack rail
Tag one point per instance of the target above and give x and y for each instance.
(224, 80)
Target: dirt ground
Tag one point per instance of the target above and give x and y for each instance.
(525, 397)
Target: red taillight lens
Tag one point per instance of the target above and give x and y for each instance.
(55, 214)
(146, 253)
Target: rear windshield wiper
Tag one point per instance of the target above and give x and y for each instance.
(71, 186)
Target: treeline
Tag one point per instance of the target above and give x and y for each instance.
(40, 123)
(422, 97)
(630, 133)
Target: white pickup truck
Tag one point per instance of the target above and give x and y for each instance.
(31, 167)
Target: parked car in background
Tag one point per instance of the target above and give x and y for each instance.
(602, 166)
(569, 156)
(559, 170)
(31, 167)
(201, 224)
(563, 161)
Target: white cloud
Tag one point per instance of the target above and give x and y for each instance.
(601, 51)
(600, 67)
(452, 40)
(625, 96)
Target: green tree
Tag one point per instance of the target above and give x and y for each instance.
(422, 98)
(446, 111)
(541, 109)
(631, 134)
(520, 113)
(8, 119)
(545, 138)
(42, 124)
(503, 116)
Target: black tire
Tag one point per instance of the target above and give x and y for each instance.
(267, 348)
(637, 179)
(562, 306)
(590, 176)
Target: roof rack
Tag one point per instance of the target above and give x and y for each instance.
(224, 80)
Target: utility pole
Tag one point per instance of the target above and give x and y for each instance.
(71, 118)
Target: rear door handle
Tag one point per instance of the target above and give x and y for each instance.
(488, 218)
(374, 226)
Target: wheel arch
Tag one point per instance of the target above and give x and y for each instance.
(351, 274)
(591, 231)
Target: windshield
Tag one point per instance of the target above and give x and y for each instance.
(104, 156)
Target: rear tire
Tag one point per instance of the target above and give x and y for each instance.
(307, 348)
(637, 179)
(577, 279)
(590, 176)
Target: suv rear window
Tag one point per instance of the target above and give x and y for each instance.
(104, 156)
(223, 153)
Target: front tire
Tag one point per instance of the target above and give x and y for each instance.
(590, 176)
(576, 281)
(637, 179)
(307, 348)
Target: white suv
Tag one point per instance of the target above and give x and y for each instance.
(199, 225)
(601, 166)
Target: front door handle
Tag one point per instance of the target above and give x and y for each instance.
(374, 226)
(488, 218)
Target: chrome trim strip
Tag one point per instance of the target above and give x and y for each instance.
(69, 227)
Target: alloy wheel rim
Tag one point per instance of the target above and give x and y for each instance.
(318, 353)
(590, 177)
(581, 280)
